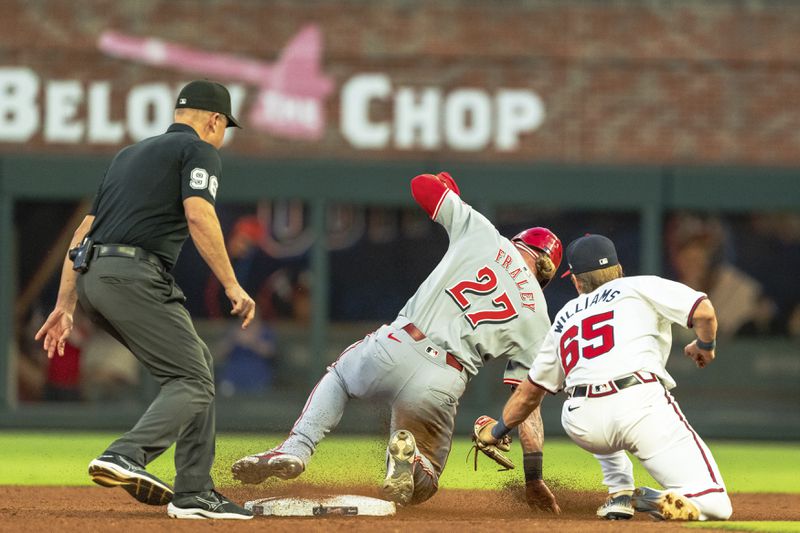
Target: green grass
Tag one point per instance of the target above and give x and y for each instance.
(57, 458)
(768, 527)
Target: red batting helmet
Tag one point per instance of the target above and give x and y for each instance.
(544, 240)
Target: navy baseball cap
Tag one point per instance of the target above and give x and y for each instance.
(590, 252)
(209, 96)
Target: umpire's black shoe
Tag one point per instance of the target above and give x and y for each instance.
(114, 470)
(211, 504)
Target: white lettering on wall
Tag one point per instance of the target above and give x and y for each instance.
(63, 97)
(425, 119)
(468, 119)
(357, 95)
(374, 114)
(102, 129)
(416, 118)
(19, 114)
(518, 111)
(150, 108)
(73, 111)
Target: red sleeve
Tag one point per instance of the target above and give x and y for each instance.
(428, 190)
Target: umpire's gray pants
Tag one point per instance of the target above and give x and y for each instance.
(389, 366)
(140, 305)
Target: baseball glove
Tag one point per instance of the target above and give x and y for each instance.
(488, 445)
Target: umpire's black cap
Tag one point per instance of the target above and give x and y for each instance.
(590, 252)
(209, 96)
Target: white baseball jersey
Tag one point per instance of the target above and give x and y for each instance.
(481, 301)
(622, 327)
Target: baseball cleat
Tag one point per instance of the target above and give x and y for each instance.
(209, 504)
(254, 469)
(399, 483)
(664, 505)
(114, 470)
(616, 508)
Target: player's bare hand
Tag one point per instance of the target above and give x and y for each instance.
(700, 357)
(55, 331)
(540, 498)
(242, 304)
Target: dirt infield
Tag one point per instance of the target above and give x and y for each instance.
(93, 509)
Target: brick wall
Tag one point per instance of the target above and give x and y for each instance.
(714, 82)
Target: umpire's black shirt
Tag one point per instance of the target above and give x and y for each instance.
(140, 199)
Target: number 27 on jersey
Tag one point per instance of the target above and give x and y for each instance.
(485, 283)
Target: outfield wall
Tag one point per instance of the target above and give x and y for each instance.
(610, 117)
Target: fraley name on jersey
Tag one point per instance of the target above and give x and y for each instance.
(581, 304)
(505, 261)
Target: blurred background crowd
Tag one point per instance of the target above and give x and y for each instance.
(739, 261)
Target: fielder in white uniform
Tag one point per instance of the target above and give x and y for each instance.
(607, 349)
(482, 301)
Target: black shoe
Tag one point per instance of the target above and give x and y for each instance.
(211, 504)
(114, 470)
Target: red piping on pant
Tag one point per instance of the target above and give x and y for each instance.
(671, 401)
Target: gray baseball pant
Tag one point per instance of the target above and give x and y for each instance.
(390, 367)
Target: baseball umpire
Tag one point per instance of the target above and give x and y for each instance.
(608, 349)
(154, 194)
(482, 301)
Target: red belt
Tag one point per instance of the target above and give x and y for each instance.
(417, 335)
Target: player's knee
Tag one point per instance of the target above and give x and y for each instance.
(724, 509)
(717, 507)
(423, 493)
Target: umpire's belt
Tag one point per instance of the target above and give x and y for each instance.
(125, 250)
(613, 386)
(417, 335)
